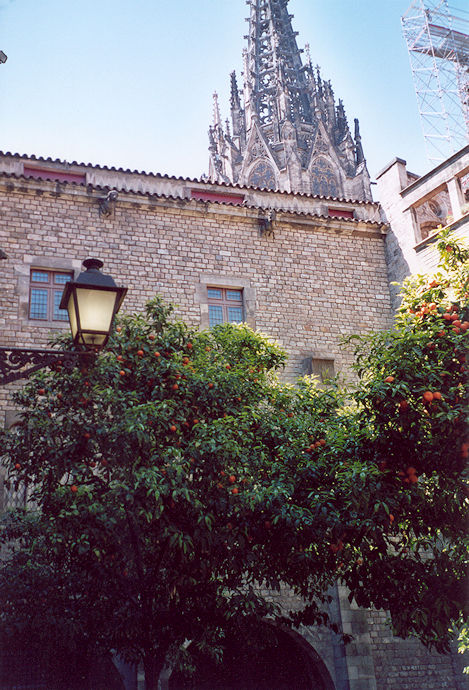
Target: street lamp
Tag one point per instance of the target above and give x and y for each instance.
(92, 301)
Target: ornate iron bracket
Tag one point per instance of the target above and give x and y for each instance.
(14, 360)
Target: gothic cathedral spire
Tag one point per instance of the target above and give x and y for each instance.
(287, 132)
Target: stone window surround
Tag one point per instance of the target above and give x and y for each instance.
(223, 281)
(23, 272)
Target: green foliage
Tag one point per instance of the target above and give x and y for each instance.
(164, 472)
(412, 402)
(463, 642)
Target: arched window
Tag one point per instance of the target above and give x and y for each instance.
(262, 175)
(323, 179)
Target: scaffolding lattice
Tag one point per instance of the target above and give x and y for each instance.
(438, 46)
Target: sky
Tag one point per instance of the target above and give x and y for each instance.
(129, 83)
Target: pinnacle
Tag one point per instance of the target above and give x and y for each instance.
(290, 104)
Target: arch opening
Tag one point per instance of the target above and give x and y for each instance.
(273, 659)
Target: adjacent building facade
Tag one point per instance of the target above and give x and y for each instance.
(416, 207)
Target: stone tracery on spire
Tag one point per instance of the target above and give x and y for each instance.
(285, 120)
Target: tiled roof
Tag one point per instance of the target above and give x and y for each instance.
(292, 212)
(181, 178)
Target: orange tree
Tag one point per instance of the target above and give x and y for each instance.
(162, 477)
(173, 476)
(411, 427)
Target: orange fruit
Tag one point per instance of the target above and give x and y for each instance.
(427, 396)
(389, 379)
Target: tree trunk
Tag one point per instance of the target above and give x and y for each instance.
(152, 667)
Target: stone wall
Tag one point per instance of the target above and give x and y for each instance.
(408, 665)
(307, 285)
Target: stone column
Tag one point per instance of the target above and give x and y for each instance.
(358, 654)
(456, 197)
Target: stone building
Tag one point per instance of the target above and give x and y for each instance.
(282, 234)
(416, 206)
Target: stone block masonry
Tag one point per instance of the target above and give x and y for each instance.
(312, 282)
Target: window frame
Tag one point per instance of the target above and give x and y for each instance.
(223, 280)
(51, 288)
(225, 303)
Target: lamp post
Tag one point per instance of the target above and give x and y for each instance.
(92, 301)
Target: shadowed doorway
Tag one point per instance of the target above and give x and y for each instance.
(275, 660)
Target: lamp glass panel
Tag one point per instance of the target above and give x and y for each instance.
(72, 315)
(96, 309)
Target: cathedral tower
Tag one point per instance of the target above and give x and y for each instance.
(287, 132)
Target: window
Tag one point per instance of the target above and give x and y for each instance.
(322, 368)
(45, 293)
(340, 213)
(222, 198)
(53, 174)
(224, 305)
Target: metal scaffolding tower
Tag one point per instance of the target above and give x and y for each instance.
(438, 46)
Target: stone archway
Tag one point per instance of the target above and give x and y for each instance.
(278, 660)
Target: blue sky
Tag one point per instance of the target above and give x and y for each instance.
(130, 84)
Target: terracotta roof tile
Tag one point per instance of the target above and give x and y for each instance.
(188, 200)
(181, 178)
